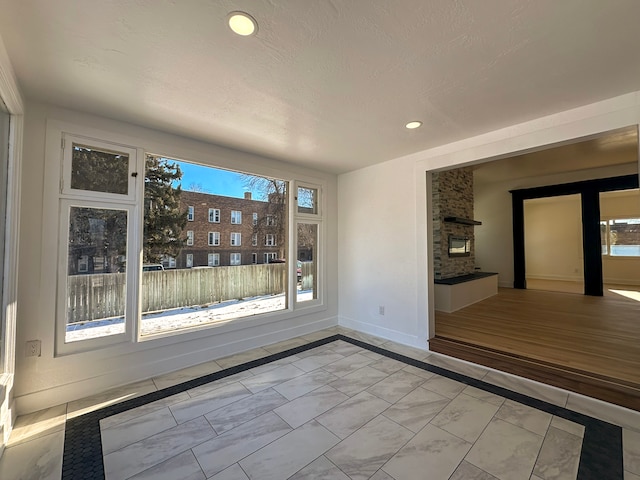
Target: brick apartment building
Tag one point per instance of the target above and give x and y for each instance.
(224, 231)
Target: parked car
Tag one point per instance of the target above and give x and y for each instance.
(152, 267)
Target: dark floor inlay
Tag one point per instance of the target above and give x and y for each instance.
(601, 455)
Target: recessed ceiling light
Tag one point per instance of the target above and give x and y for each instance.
(412, 125)
(242, 23)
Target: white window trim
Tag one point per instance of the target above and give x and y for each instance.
(233, 255)
(237, 218)
(272, 243)
(190, 238)
(214, 215)
(190, 213)
(213, 239)
(213, 259)
(49, 264)
(235, 239)
(188, 261)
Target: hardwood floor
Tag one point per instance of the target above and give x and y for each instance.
(590, 345)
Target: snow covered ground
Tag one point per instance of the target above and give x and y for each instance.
(186, 317)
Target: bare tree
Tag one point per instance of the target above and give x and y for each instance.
(275, 220)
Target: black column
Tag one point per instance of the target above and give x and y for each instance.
(591, 242)
(517, 206)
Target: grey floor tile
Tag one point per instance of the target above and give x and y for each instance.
(226, 418)
(183, 466)
(417, 409)
(426, 374)
(156, 449)
(346, 418)
(302, 446)
(138, 428)
(320, 469)
(444, 386)
(302, 409)
(432, 450)
(506, 451)
(387, 365)
(465, 417)
(381, 475)
(631, 476)
(484, 395)
(559, 457)
(569, 427)
(534, 420)
(466, 471)
(243, 357)
(186, 374)
(631, 450)
(271, 378)
(358, 381)
(145, 409)
(318, 360)
(348, 364)
(346, 348)
(38, 424)
(211, 386)
(396, 386)
(273, 365)
(533, 389)
(363, 453)
(304, 384)
(110, 397)
(234, 472)
(285, 345)
(38, 459)
(407, 351)
(208, 402)
(223, 451)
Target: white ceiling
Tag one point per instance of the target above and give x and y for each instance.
(324, 83)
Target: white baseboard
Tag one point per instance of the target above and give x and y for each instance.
(561, 278)
(60, 394)
(378, 331)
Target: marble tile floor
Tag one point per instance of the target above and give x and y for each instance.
(325, 407)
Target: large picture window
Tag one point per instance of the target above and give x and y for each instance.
(134, 262)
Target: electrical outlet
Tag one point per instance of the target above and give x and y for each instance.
(381, 309)
(33, 348)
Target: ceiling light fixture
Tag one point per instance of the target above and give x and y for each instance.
(242, 23)
(414, 124)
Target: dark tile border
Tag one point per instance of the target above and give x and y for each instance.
(601, 455)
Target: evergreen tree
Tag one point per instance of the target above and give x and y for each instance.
(163, 219)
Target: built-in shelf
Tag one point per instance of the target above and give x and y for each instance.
(462, 221)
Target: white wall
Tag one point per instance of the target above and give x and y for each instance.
(378, 251)
(49, 380)
(553, 238)
(384, 232)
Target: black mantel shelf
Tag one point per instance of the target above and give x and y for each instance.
(462, 221)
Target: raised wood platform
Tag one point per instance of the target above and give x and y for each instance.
(589, 345)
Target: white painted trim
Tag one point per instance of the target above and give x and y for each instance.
(12, 98)
(561, 278)
(382, 332)
(68, 392)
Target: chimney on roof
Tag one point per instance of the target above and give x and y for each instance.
(247, 195)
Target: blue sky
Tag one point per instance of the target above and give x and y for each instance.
(211, 180)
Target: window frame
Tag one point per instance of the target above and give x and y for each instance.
(234, 255)
(607, 221)
(213, 239)
(190, 213)
(56, 130)
(236, 217)
(188, 260)
(272, 237)
(213, 259)
(235, 239)
(191, 238)
(214, 215)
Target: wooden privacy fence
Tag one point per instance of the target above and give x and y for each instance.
(97, 296)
